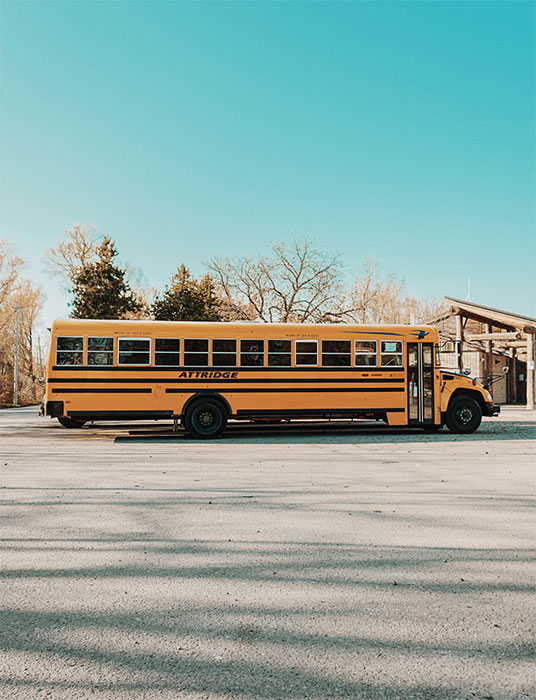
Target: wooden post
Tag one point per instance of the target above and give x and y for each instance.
(530, 371)
(489, 356)
(513, 375)
(459, 342)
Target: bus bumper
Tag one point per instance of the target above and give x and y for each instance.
(491, 409)
(54, 408)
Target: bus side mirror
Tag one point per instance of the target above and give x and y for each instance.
(506, 369)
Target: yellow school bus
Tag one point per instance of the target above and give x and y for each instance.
(206, 373)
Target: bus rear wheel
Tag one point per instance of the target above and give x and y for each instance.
(70, 422)
(464, 415)
(205, 419)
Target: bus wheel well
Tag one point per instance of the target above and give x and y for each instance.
(476, 395)
(201, 395)
(67, 422)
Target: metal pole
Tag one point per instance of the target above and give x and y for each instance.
(39, 359)
(16, 366)
(41, 372)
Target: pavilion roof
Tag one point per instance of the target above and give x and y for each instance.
(487, 314)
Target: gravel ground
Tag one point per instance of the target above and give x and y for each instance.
(271, 564)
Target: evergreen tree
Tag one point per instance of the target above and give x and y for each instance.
(100, 289)
(211, 303)
(186, 299)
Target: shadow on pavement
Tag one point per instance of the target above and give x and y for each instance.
(337, 431)
(86, 638)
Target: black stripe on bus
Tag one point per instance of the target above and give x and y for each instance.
(219, 380)
(120, 415)
(314, 412)
(318, 411)
(253, 390)
(142, 368)
(101, 391)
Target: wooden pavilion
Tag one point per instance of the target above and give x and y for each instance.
(488, 340)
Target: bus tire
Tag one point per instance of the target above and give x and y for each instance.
(70, 422)
(205, 419)
(464, 415)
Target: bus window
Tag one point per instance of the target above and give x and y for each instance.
(279, 353)
(366, 353)
(167, 352)
(100, 351)
(252, 353)
(223, 352)
(336, 353)
(195, 352)
(391, 353)
(306, 352)
(69, 351)
(134, 351)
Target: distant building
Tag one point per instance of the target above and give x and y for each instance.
(486, 341)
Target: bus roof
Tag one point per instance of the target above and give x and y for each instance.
(249, 328)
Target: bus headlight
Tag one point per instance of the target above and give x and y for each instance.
(489, 397)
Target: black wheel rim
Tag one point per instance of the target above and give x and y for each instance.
(464, 416)
(207, 421)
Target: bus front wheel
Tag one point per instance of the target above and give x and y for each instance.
(205, 419)
(464, 415)
(70, 422)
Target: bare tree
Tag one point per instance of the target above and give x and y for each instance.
(143, 292)
(422, 310)
(378, 297)
(373, 294)
(9, 271)
(297, 283)
(76, 250)
(16, 291)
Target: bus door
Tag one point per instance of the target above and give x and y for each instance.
(420, 383)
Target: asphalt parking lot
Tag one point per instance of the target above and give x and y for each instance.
(274, 563)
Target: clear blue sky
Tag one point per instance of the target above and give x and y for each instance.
(395, 129)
